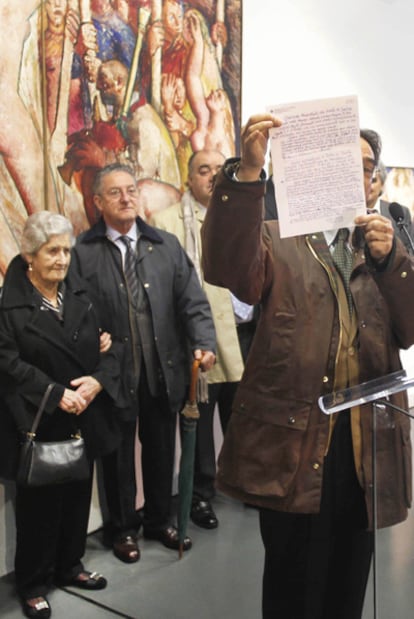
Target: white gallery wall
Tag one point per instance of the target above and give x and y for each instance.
(307, 49)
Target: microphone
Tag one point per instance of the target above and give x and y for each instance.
(397, 213)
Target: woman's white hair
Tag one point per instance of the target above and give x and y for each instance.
(40, 227)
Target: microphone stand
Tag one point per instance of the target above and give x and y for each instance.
(375, 391)
(376, 406)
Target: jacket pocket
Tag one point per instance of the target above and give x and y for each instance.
(262, 447)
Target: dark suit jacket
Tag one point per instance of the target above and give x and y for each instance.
(270, 200)
(179, 310)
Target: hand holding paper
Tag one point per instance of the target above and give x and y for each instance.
(254, 140)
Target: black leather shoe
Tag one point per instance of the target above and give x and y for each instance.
(126, 549)
(85, 580)
(40, 610)
(202, 515)
(168, 537)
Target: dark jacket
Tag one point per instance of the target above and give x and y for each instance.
(36, 349)
(270, 206)
(180, 313)
(273, 451)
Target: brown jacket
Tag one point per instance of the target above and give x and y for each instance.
(273, 451)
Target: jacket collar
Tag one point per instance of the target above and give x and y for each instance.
(319, 244)
(188, 200)
(99, 231)
(18, 291)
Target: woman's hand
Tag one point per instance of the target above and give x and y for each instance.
(87, 388)
(73, 402)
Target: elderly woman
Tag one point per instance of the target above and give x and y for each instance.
(49, 333)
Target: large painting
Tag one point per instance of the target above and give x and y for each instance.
(399, 187)
(90, 82)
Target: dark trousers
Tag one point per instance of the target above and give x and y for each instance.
(119, 482)
(51, 529)
(245, 332)
(157, 428)
(221, 394)
(157, 425)
(317, 566)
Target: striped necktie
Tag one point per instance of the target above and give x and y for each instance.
(342, 258)
(130, 269)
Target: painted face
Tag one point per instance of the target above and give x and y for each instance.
(204, 167)
(118, 200)
(51, 262)
(56, 12)
(122, 8)
(101, 7)
(368, 163)
(107, 86)
(172, 19)
(179, 94)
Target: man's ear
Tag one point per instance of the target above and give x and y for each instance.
(120, 83)
(97, 202)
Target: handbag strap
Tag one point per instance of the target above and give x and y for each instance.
(40, 410)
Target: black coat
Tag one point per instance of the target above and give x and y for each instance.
(37, 349)
(180, 313)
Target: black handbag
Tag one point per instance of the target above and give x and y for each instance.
(54, 462)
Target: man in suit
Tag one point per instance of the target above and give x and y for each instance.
(151, 301)
(375, 203)
(233, 322)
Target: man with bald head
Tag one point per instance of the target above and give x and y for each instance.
(233, 322)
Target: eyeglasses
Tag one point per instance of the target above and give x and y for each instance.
(115, 193)
(370, 171)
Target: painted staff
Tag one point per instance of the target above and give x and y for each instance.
(156, 15)
(45, 129)
(59, 131)
(90, 59)
(144, 14)
(219, 20)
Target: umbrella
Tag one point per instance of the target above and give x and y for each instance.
(188, 427)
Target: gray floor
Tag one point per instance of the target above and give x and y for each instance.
(218, 579)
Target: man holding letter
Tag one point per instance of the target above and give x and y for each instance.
(335, 309)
